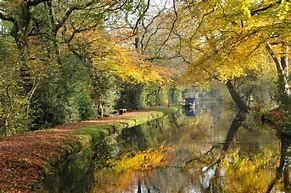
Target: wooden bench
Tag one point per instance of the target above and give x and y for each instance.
(122, 111)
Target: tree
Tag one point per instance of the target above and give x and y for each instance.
(69, 60)
(227, 40)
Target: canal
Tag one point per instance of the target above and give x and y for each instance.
(207, 149)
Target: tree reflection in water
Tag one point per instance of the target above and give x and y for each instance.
(283, 170)
(228, 170)
(212, 175)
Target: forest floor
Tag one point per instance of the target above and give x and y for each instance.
(27, 158)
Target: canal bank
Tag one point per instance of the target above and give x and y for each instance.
(26, 159)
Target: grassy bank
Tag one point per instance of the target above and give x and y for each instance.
(27, 158)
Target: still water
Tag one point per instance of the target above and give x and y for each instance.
(214, 149)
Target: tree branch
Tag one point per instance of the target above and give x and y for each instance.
(15, 28)
(7, 18)
(69, 12)
(257, 11)
(31, 3)
(274, 56)
(141, 16)
(172, 28)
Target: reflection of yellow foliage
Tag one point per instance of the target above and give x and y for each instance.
(141, 161)
(128, 168)
(248, 175)
(109, 181)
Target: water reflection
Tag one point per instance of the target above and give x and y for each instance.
(234, 127)
(213, 171)
(201, 178)
(212, 175)
(283, 171)
(190, 111)
(212, 142)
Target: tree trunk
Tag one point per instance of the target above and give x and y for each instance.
(101, 110)
(283, 89)
(24, 69)
(285, 95)
(54, 32)
(236, 98)
(20, 35)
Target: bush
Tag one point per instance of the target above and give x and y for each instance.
(15, 114)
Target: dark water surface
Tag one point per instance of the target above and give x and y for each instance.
(215, 150)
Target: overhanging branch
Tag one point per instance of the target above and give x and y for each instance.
(30, 3)
(7, 18)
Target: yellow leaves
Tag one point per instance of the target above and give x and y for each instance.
(121, 61)
(245, 8)
(242, 59)
(233, 40)
(127, 65)
(247, 175)
(230, 71)
(284, 9)
(142, 161)
(240, 54)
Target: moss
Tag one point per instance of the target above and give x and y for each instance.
(82, 159)
(85, 141)
(46, 168)
(92, 134)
